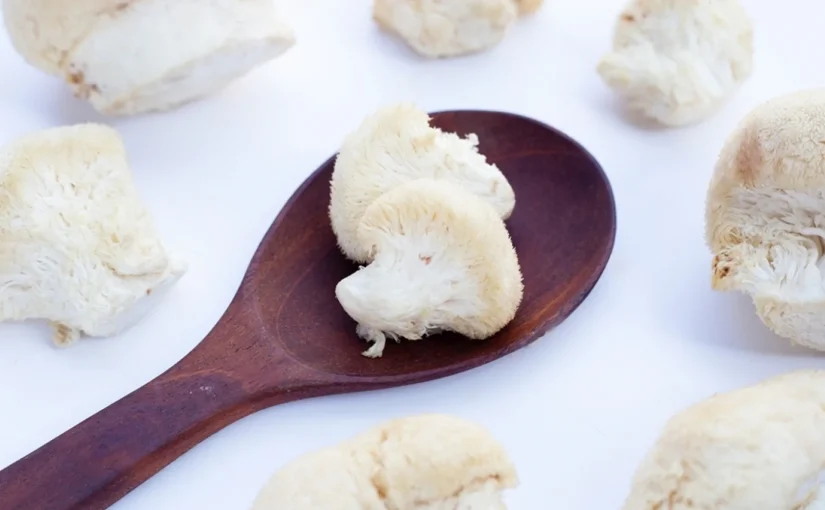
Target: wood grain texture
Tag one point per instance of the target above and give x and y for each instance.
(284, 336)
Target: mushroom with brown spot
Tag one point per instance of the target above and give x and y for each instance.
(764, 215)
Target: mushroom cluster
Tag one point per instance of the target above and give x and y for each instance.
(424, 212)
(758, 447)
(79, 249)
(131, 57)
(427, 462)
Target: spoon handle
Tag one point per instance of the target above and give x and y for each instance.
(103, 458)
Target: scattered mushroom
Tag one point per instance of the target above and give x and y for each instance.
(78, 248)
(442, 260)
(135, 56)
(427, 462)
(676, 62)
(764, 215)
(759, 447)
(395, 145)
(450, 28)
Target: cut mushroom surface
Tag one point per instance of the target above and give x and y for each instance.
(764, 215)
(132, 57)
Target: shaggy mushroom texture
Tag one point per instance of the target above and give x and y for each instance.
(77, 246)
(759, 447)
(676, 62)
(764, 216)
(442, 260)
(427, 462)
(394, 145)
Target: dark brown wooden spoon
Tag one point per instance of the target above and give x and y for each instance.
(284, 336)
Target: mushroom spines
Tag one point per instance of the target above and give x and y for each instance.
(677, 62)
(394, 145)
(763, 220)
(79, 248)
(442, 260)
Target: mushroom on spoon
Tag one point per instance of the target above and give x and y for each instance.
(285, 337)
(442, 261)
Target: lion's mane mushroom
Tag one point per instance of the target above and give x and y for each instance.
(676, 61)
(77, 247)
(764, 215)
(427, 462)
(394, 145)
(449, 28)
(133, 56)
(755, 448)
(442, 260)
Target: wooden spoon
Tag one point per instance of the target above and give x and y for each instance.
(284, 336)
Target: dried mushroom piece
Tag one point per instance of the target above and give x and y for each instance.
(759, 447)
(135, 56)
(427, 462)
(394, 145)
(675, 62)
(442, 260)
(450, 28)
(764, 215)
(77, 247)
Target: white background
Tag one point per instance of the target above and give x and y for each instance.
(577, 409)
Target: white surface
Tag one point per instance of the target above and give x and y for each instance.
(578, 409)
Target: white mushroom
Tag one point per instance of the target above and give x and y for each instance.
(395, 145)
(77, 247)
(428, 462)
(442, 261)
(676, 62)
(755, 448)
(448, 28)
(133, 56)
(764, 218)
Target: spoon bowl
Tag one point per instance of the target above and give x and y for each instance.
(285, 337)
